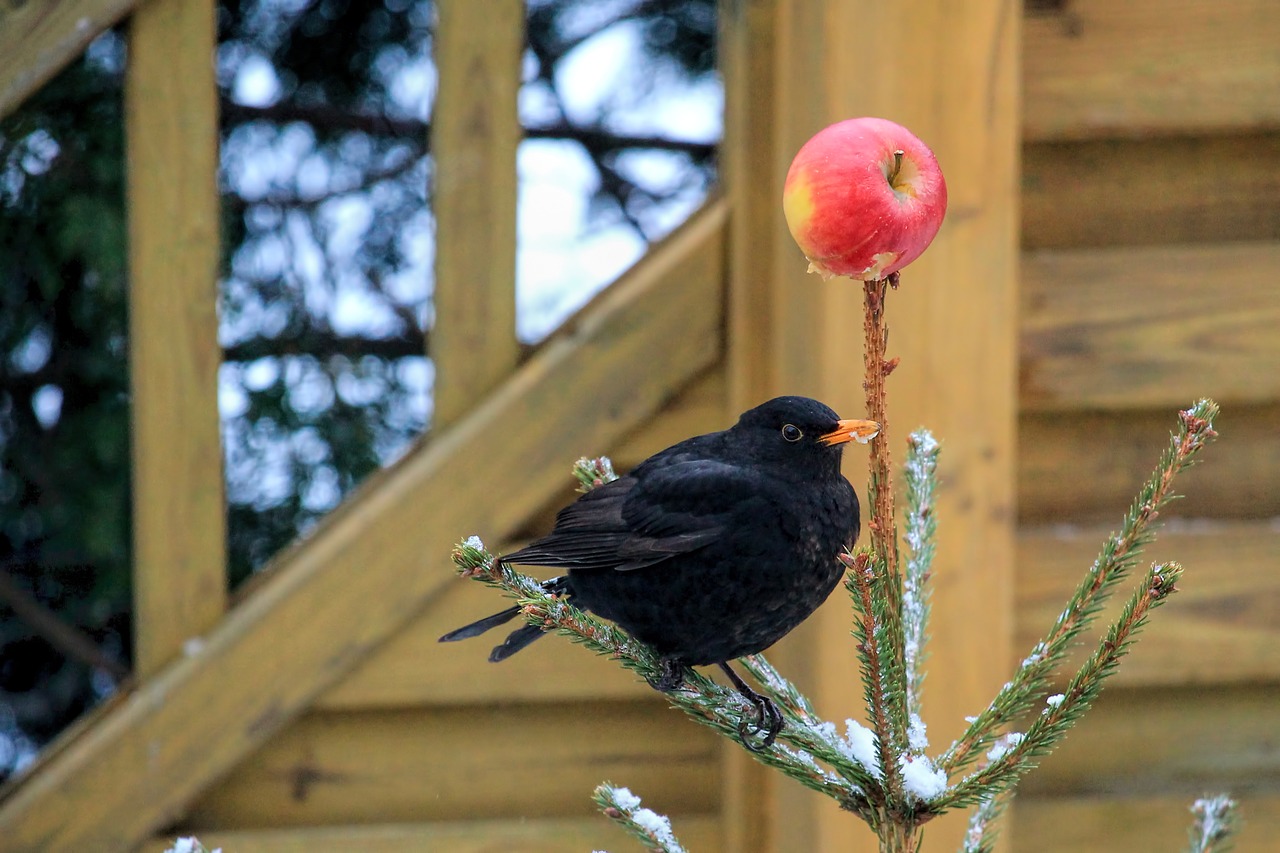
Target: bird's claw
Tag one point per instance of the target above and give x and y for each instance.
(768, 720)
(670, 677)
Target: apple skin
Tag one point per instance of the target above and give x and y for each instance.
(843, 211)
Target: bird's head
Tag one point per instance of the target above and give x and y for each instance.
(802, 432)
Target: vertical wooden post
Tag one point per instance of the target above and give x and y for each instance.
(474, 135)
(180, 577)
(949, 72)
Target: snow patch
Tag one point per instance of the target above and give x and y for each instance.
(859, 744)
(923, 782)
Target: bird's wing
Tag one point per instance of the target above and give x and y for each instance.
(635, 522)
(587, 534)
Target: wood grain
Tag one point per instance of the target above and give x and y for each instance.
(362, 574)
(1222, 627)
(1143, 824)
(415, 669)
(38, 38)
(465, 763)
(1177, 740)
(1095, 68)
(953, 322)
(1087, 467)
(474, 135)
(1134, 328)
(179, 515)
(523, 835)
(1139, 192)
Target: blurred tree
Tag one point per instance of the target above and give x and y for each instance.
(326, 281)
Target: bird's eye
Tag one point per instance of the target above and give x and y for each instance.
(791, 432)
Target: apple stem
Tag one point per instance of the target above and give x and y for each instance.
(897, 167)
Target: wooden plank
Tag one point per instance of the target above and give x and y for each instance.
(38, 38)
(1096, 68)
(1087, 467)
(465, 763)
(524, 835)
(474, 135)
(953, 323)
(1131, 328)
(179, 515)
(1223, 627)
(1132, 824)
(1113, 192)
(360, 576)
(775, 97)
(1183, 741)
(701, 408)
(414, 669)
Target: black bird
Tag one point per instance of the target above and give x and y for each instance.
(712, 549)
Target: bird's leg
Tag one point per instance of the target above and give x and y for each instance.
(671, 677)
(768, 717)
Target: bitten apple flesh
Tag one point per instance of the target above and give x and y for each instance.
(864, 198)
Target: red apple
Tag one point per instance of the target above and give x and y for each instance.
(863, 198)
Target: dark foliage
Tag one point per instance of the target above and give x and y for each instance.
(326, 181)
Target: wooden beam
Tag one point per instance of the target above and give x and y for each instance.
(474, 135)
(1133, 328)
(1095, 68)
(525, 834)
(1131, 824)
(767, 118)
(415, 764)
(1087, 467)
(414, 670)
(953, 323)
(179, 515)
(1223, 626)
(1133, 192)
(361, 575)
(38, 38)
(701, 408)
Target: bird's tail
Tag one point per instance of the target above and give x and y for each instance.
(517, 639)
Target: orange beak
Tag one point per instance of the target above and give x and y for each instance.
(851, 430)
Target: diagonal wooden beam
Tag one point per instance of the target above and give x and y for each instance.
(39, 38)
(380, 558)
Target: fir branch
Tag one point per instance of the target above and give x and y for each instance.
(884, 538)
(892, 717)
(1119, 555)
(869, 632)
(1216, 819)
(779, 689)
(981, 835)
(591, 473)
(190, 844)
(622, 806)
(1044, 733)
(920, 479)
(802, 743)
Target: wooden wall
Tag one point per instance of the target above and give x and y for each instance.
(1151, 234)
(1150, 252)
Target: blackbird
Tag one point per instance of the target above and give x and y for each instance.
(712, 549)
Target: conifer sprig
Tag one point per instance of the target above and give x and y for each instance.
(1046, 730)
(920, 482)
(1216, 820)
(623, 807)
(1119, 554)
